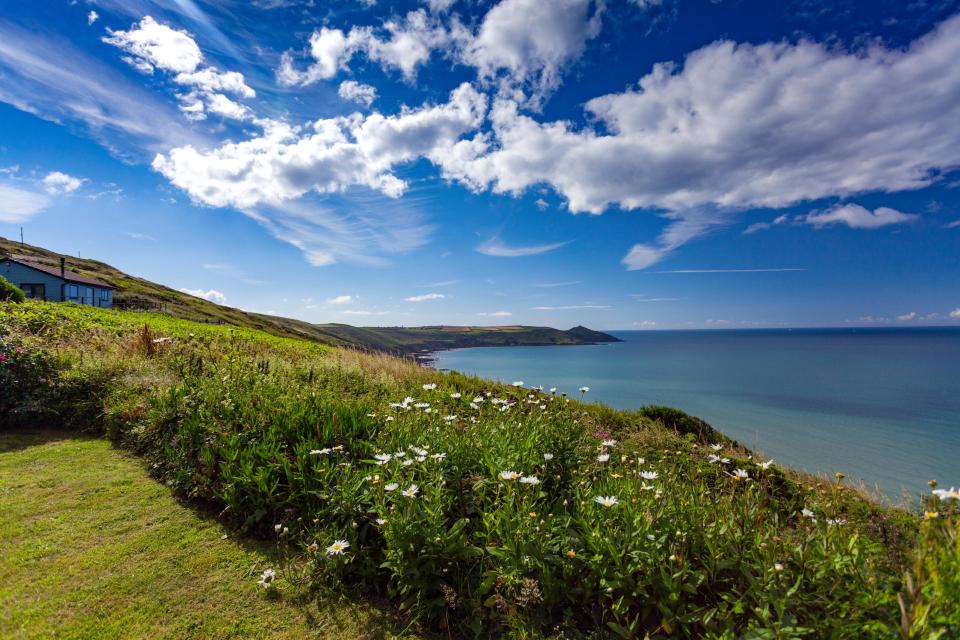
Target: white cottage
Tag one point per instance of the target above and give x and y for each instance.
(41, 280)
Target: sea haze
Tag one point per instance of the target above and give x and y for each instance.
(881, 405)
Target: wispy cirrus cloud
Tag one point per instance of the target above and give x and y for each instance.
(770, 270)
(571, 307)
(426, 297)
(568, 283)
(494, 247)
(340, 300)
(496, 314)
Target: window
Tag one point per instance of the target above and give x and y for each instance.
(72, 291)
(34, 291)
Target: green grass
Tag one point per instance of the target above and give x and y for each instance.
(271, 432)
(93, 547)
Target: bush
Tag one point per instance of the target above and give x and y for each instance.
(9, 292)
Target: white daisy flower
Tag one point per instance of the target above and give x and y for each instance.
(338, 547)
(381, 521)
(947, 494)
(548, 456)
(411, 491)
(439, 456)
(648, 475)
(449, 418)
(390, 487)
(529, 480)
(740, 474)
(421, 458)
(607, 501)
(319, 452)
(584, 389)
(509, 475)
(382, 458)
(765, 465)
(267, 578)
(716, 447)
(603, 457)
(430, 387)
(455, 395)
(808, 514)
(609, 443)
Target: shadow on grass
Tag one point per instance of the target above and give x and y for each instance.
(18, 438)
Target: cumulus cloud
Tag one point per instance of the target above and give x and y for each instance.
(402, 44)
(494, 247)
(153, 45)
(908, 316)
(737, 126)
(520, 45)
(340, 300)
(955, 313)
(529, 43)
(330, 156)
(425, 297)
(496, 314)
(19, 205)
(357, 92)
(92, 17)
(57, 183)
(857, 217)
(212, 295)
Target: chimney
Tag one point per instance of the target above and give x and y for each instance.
(63, 268)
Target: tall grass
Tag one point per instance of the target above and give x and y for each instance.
(481, 509)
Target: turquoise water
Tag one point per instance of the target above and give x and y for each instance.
(880, 405)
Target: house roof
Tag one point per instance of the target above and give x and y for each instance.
(69, 276)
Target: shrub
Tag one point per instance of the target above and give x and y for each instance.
(9, 292)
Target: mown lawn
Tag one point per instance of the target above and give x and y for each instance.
(93, 547)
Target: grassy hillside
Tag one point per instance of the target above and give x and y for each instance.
(479, 509)
(93, 547)
(138, 293)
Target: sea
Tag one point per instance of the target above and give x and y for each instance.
(880, 405)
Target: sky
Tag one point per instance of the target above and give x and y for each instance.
(621, 164)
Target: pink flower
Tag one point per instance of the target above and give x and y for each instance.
(3, 358)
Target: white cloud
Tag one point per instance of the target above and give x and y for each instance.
(737, 126)
(402, 44)
(212, 295)
(857, 217)
(340, 300)
(92, 17)
(425, 297)
(439, 6)
(571, 307)
(357, 92)
(496, 314)
(907, 316)
(528, 43)
(955, 313)
(334, 154)
(494, 247)
(645, 324)
(19, 205)
(57, 183)
(158, 45)
(760, 226)
(78, 88)
(952, 225)
(557, 284)
(154, 45)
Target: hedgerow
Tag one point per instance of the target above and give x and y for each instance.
(481, 509)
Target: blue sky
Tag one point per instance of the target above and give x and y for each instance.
(621, 164)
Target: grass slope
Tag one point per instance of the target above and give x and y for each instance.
(95, 548)
(480, 509)
(133, 292)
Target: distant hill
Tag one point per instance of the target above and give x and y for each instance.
(137, 293)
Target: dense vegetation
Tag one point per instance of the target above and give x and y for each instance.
(9, 291)
(480, 509)
(141, 294)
